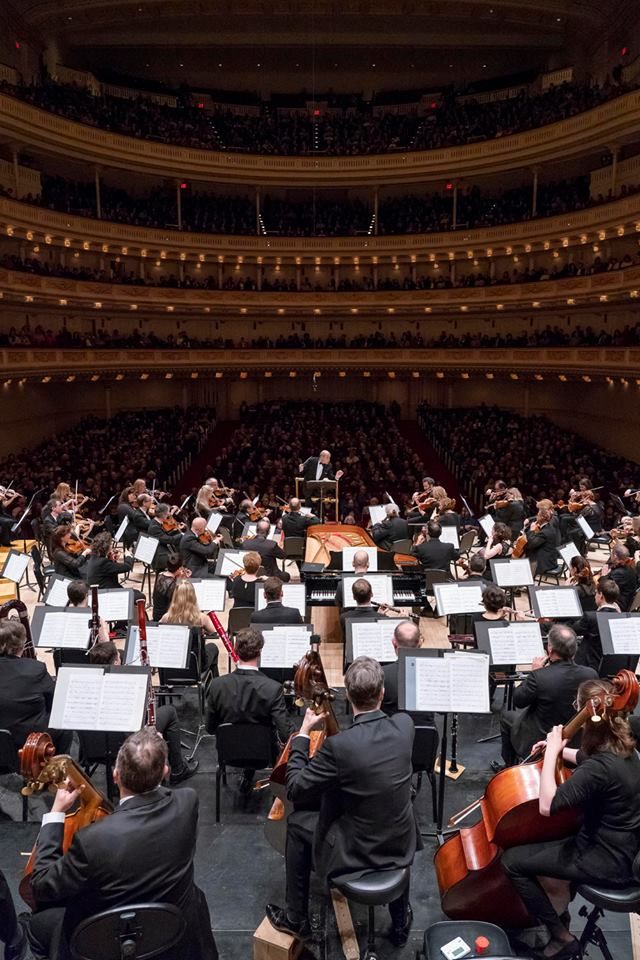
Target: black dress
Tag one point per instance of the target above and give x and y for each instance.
(242, 593)
(606, 788)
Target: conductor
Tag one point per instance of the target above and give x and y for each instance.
(319, 468)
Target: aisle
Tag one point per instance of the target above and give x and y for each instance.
(434, 466)
(202, 465)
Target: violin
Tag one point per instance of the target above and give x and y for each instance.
(427, 504)
(170, 525)
(205, 537)
(41, 767)
(75, 546)
(473, 885)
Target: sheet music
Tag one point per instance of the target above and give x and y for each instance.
(458, 683)
(96, 699)
(306, 511)
(115, 604)
(213, 522)
(167, 643)
(284, 648)
(15, 566)
(57, 595)
(293, 595)
(513, 573)
(64, 628)
(381, 586)
(377, 513)
(348, 553)
(454, 598)
(450, 535)
(558, 602)
(374, 640)
(625, 634)
(487, 523)
(146, 549)
(586, 529)
(568, 552)
(517, 643)
(210, 593)
(121, 529)
(231, 561)
(250, 530)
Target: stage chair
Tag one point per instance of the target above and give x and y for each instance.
(431, 577)
(294, 549)
(373, 890)
(10, 763)
(554, 574)
(625, 900)
(41, 572)
(467, 540)
(138, 932)
(239, 619)
(423, 758)
(247, 746)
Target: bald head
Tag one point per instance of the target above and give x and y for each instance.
(262, 528)
(325, 456)
(198, 526)
(295, 505)
(360, 561)
(406, 634)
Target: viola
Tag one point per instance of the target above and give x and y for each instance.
(205, 537)
(74, 546)
(473, 885)
(170, 525)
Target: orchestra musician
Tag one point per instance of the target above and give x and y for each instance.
(392, 528)
(275, 611)
(168, 540)
(406, 635)
(78, 596)
(432, 553)
(420, 499)
(582, 579)
(513, 513)
(198, 546)
(360, 565)
(498, 545)
(607, 598)
(67, 562)
(7, 497)
(133, 507)
(621, 568)
(242, 587)
(294, 523)
(55, 517)
(542, 542)
(268, 549)
(105, 564)
(143, 853)
(165, 584)
(341, 812)
(546, 696)
(364, 609)
(447, 515)
(184, 610)
(605, 786)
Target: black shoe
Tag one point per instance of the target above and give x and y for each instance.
(497, 766)
(246, 784)
(570, 950)
(189, 767)
(19, 949)
(400, 934)
(279, 920)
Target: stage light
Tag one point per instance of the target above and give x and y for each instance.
(268, 374)
(538, 376)
(562, 377)
(46, 380)
(440, 375)
(168, 375)
(366, 373)
(464, 376)
(97, 305)
(342, 374)
(169, 308)
(293, 374)
(391, 374)
(219, 375)
(416, 375)
(499, 306)
(448, 186)
(95, 378)
(603, 298)
(120, 376)
(536, 304)
(514, 376)
(28, 298)
(71, 378)
(144, 376)
(571, 302)
(586, 379)
(489, 376)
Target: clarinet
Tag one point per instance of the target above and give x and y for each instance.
(144, 660)
(94, 628)
(224, 636)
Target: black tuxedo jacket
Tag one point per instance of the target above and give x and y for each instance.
(393, 528)
(69, 566)
(435, 555)
(590, 647)
(102, 572)
(625, 577)
(142, 853)
(247, 696)
(26, 695)
(548, 695)
(168, 543)
(362, 777)
(295, 524)
(357, 613)
(542, 548)
(195, 555)
(390, 702)
(138, 522)
(269, 552)
(310, 469)
(276, 612)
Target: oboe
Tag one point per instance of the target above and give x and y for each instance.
(94, 628)
(144, 660)
(222, 633)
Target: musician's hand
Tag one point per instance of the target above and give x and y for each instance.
(539, 747)
(555, 741)
(339, 474)
(538, 662)
(300, 467)
(312, 721)
(65, 797)
(627, 492)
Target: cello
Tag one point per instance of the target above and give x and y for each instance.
(311, 687)
(41, 767)
(473, 885)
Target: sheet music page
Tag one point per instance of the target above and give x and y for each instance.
(568, 551)
(15, 566)
(347, 557)
(57, 595)
(433, 685)
(167, 644)
(61, 628)
(517, 643)
(625, 634)
(77, 704)
(377, 513)
(283, 648)
(213, 522)
(374, 640)
(514, 573)
(210, 594)
(450, 535)
(252, 530)
(121, 529)
(469, 682)
(558, 602)
(487, 523)
(123, 702)
(306, 511)
(231, 561)
(293, 595)
(381, 586)
(146, 549)
(584, 526)
(452, 598)
(114, 604)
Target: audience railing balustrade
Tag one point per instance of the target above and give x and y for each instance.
(617, 121)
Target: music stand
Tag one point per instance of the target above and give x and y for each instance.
(620, 640)
(14, 568)
(322, 488)
(370, 638)
(284, 647)
(17, 525)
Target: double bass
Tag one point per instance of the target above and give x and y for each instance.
(473, 885)
(311, 688)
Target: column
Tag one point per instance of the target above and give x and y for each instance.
(614, 168)
(179, 204)
(141, 270)
(181, 270)
(98, 197)
(375, 276)
(298, 277)
(492, 269)
(15, 156)
(259, 275)
(534, 193)
(454, 218)
(414, 272)
(220, 275)
(336, 276)
(376, 207)
(258, 211)
(452, 272)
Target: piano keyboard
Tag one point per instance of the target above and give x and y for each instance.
(407, 590)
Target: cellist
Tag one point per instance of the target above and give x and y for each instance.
(606, 788)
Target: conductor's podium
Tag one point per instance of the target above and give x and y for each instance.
(322, 541)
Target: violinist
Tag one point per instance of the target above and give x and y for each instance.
(621, 568)
(294, 523)
(198, 547)
(432, 553)
(138, 521)
(513, 513)
(341, 811)
(168, 540)
(607, 599)
(55, 516)
(68, 554)
(606, 788)
(206, 499)
(392, 528)
(546, 697)
(498, 545)
(447, 515)
(542, 542)
(105, 564)
(628, 533)
(247, 513)
(581, 577)
(165, 584)
(7, 497)
(242, 586)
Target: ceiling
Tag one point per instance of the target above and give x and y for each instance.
(284, 45)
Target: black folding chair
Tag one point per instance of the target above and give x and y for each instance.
(247, 746)
(139, 932)
(423, 758)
